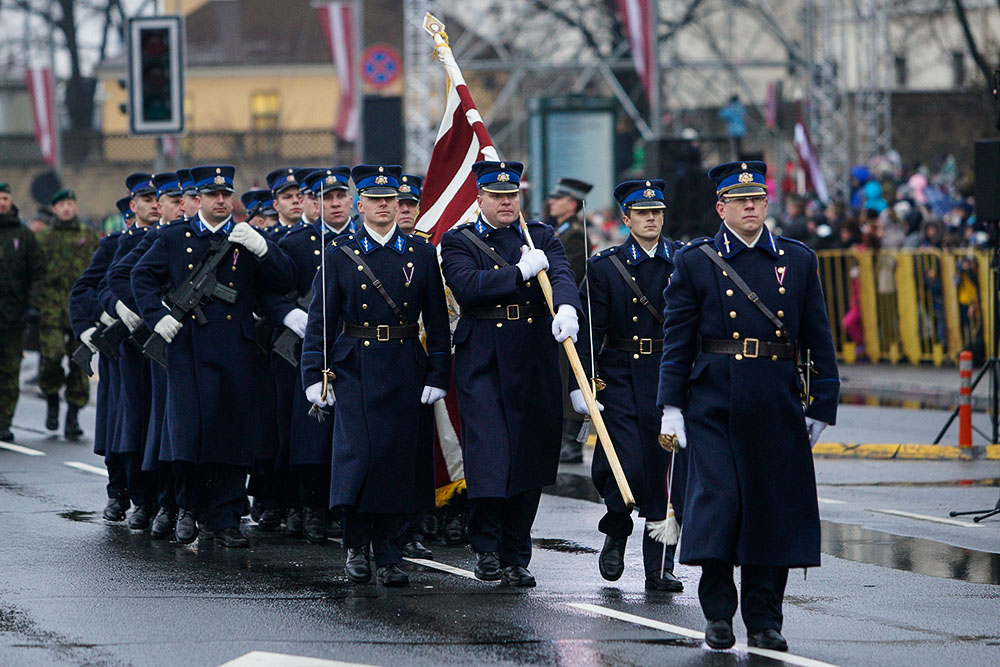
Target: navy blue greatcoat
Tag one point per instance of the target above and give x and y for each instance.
(214, 370)
(84, 312)
(133, 368)
(507, 372)
(383, 459)
(751, 487)
(303, 440)
(120, 282)
(629, 399)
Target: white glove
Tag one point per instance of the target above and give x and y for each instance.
(86, 336)
(432, 395)
(126, 315)
(167, 327)
(672, 423)
(814, 427)
(106, 319)
(580, 405)
(532, 261)
(314, 395)
(296, 321)
(565, 324)
(249, 238)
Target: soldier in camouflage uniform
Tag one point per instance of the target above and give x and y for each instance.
(67, 246)
(21, 269)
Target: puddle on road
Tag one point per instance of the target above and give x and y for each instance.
(911, 554)
(562, 546)
(79, 516)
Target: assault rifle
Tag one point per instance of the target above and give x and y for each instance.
(284, 344)
(198, 289)
(84, 357)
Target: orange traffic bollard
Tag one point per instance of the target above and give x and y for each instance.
(965, 400)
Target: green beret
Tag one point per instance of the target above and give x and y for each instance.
(65, 193)
(4, 187)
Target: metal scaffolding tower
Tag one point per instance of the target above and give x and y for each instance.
(873, 101)
(425, 81)
(828, 113)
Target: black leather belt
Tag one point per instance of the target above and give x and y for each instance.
(383, 332)
(514, 311)
(749, 348)
(640, 345)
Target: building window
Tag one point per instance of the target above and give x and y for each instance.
(264, 109)
(958, 68)
(899, 67)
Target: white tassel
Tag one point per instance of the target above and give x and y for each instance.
(672, 532)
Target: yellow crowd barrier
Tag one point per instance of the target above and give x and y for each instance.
(923, 305)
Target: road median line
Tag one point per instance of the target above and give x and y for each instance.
(10, 446)
(86, 467)
(781, 656)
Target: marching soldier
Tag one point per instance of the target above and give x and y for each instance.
(190, 199)
(86, 313)
(379, 282)
(305, 442)
(214, 367)
(409, 202)
(22, 267)
(310, 204)
(119, 281)
(287, 200)
(133, 408)
(740, 308)
(624, 287)
(504, 353)
(68, 246)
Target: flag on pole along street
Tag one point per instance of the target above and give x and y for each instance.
(636, 16)
(809, 160)
(449, 194)
(337, 19)
(44, 112)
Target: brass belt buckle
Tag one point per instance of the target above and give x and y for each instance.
(746, 349)
(382, 333)
(645, 346)
(513, 312)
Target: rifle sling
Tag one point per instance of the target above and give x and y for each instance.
(743, 287)
(631, 282)
(376, 283)
(478, 242)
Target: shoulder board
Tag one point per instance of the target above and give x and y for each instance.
(464, 225)
(607, 252)
(785, 239)
(420, 237)
(296, 229)
(536, 223)
(343, 239)
(175, 221)
(702, 240)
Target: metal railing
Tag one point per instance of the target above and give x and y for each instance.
(920, 306)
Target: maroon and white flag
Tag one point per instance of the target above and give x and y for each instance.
(638, 26)
(809, 161)
(43, 108)
(337, 19)
(449, 194)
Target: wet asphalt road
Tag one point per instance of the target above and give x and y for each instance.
(893, 589)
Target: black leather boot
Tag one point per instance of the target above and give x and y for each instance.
(72, 429)
(52, 416)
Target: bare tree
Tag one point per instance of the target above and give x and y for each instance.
(984, 66)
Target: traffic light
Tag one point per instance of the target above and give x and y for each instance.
(156, 75)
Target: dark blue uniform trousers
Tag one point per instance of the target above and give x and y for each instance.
(619, 524)
(385, 532)
(503, 526)
(762, 589)
(213, 491)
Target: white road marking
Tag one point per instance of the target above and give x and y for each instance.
(831, 501)
(781, 656)
(86, 467)
(443, 567)
(266, 659)
(925, 517)
(19, 449)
